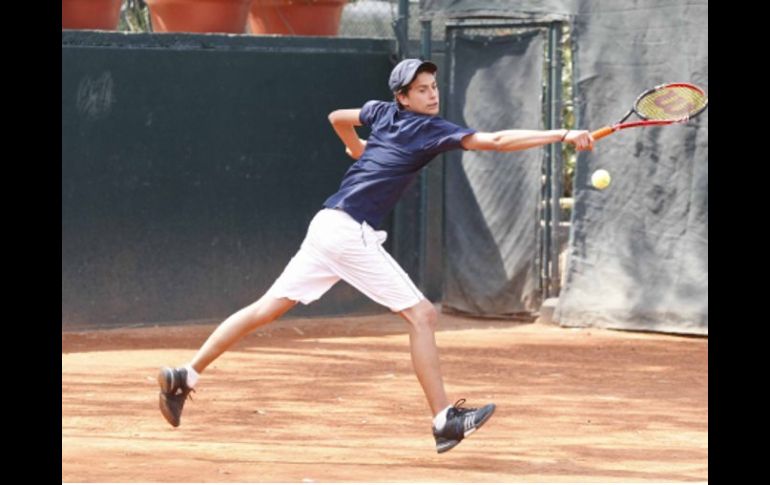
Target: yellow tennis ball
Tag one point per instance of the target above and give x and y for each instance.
(601, 179)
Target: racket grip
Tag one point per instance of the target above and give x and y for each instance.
(602, 132)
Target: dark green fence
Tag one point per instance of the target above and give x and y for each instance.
(192, 164)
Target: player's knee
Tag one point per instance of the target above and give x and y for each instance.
(432, 319)
(427, 318)
(423, 317)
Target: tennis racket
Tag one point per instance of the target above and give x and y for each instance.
(662, 105)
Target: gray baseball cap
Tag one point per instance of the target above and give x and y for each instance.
(404, 72)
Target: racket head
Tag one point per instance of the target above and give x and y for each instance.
(671, 102)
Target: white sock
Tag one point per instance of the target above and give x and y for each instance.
(440, 420)
(192, 376)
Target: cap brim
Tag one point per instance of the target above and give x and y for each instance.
(432, 66)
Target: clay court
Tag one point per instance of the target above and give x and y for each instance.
(322, 400)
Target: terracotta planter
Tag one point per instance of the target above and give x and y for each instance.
(90, 14)
(296, 17)
(227, 16)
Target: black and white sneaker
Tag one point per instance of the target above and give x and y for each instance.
(173, 393)
(460, 423)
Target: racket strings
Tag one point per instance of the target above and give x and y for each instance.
(671, 103)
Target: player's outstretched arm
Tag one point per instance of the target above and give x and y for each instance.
(344, 122)
(512, 140)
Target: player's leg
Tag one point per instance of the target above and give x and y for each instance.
(238, 325)
(451, 424)
(176, 383)
(388, 284)
(361, 260)
(356, 255)
(423, 320)
(304, 279)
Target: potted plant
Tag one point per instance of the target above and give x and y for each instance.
(228, 16)
(296, 17)
(90, 14)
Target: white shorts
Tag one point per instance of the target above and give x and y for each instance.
(337, 247)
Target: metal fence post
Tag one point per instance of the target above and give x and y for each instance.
(401, 28)
(554, 105)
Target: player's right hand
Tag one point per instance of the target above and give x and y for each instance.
(582, 139)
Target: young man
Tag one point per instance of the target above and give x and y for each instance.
(342, 241)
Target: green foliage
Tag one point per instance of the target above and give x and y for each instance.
(569, 155)
(134, 17)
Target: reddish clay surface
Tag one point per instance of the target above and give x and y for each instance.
(319, 400)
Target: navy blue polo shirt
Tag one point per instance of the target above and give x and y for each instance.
(400, 144)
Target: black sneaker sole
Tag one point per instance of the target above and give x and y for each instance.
(166, 412)
(444, 447)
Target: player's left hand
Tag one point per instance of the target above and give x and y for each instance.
(357, 155)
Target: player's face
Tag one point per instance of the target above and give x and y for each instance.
(422, 96)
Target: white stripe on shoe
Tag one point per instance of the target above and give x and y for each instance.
(173, 379)
(469, 423)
